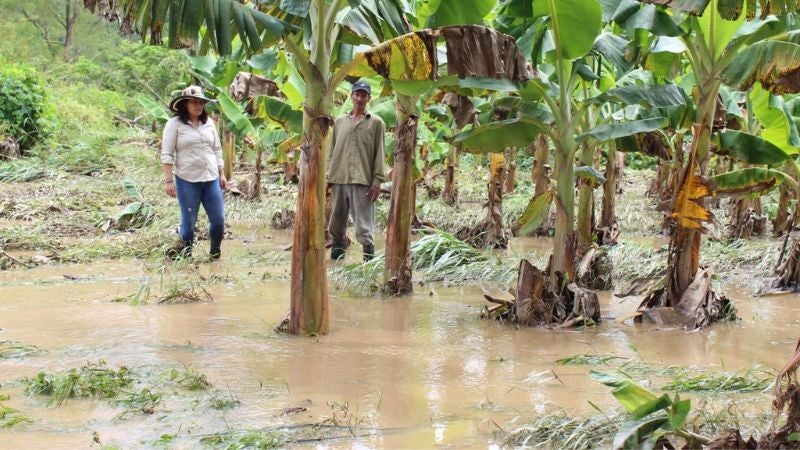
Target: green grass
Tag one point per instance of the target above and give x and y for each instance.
(589, 360)
(10, 417)
(437, 256)
(21, 171)
(567, 431)
(94, 380)
(235, 440)
(748, 381)
(189, 378)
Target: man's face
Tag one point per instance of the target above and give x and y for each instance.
(360, 98)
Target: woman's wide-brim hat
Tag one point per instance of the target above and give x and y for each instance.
(190, 92)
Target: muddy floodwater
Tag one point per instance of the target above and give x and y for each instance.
(415, 372)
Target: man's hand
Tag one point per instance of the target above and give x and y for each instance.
(223, 182)
(169, 188)
(373, 193)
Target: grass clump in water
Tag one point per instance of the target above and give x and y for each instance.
(10, 417)
(13, 349)
(189, 378)
(588, 360)
(748, 381)
(566, 431)
(220, 401)
(235, 440)
(436, 256)
(94, 380)
(145, 400)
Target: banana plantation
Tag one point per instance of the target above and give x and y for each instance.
(586, 236)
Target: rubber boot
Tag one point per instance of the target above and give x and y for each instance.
(337, 250)
(369, 252)
(181, 249)
(215, 253)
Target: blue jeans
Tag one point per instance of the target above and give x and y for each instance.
(190, 196)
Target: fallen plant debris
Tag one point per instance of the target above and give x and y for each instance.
(699, 306)
(747, 381)
(785, 406)
(14, 349)
(537, 303)
(93, 380)
(590, 360)
(139, 390)
(175, 290)
(10, 417)
(566, 431)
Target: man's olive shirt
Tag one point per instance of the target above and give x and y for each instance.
(356, 155)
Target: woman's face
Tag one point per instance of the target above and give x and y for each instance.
(194, 107)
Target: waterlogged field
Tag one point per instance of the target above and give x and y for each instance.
(105, 344)
(414, 372)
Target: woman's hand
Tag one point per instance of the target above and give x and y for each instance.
(223, 182)
(169, 188)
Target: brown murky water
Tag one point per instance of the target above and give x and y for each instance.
(415, 372)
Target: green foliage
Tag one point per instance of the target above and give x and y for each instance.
(21, 171)
(94, 380)
(653, 418)
(248, 439)
(639, 161)
(132, 67)
(22, 104)
(190, 379)
(748, 381)
(10, 417)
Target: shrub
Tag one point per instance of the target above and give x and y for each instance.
(22, 103)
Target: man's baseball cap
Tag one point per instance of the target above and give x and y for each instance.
(361, 85)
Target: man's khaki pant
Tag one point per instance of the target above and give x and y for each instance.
(352, 199)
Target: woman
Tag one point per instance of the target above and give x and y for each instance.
(191, 156)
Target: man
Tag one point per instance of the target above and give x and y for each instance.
(355, 172)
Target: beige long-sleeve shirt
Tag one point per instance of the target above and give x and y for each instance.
(356, 151)
(194, 152)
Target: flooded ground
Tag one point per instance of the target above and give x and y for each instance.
(414, 372)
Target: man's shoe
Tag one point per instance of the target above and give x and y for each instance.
(215, 254)
(369, 252)
(337, 250)
(181, 249)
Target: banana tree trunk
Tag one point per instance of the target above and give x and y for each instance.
(782, 217)
(228, 153)
(585, 204)
(540, 174)
(495, 235)
(309, 312)
(397, 269)
(511, 171)
(684, 259)
(309, 291)
(608, 229)
(564, 240)
(450, 192)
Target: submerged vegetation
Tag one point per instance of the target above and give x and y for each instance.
(13, 349)
(138, 389)
(634, 99)
(10, 417)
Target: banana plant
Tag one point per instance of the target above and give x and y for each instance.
(565, 40)
(653, 418)
(325, 33)
(411, 76)
(722, 41)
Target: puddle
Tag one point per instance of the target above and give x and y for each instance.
(415, 372)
